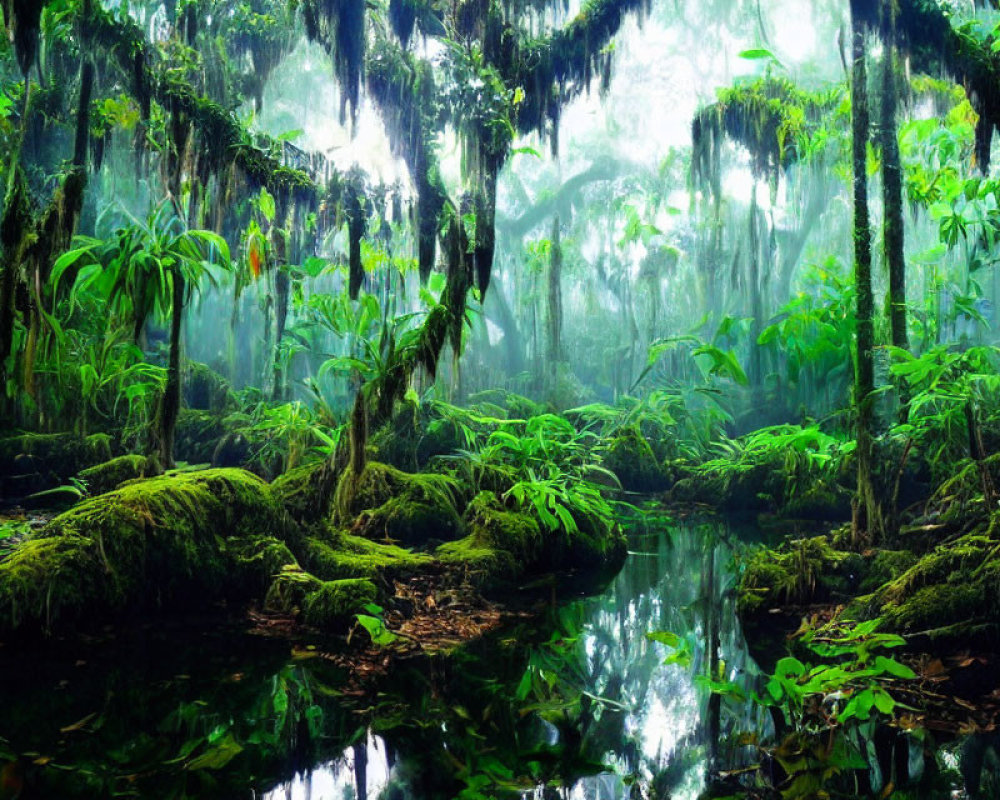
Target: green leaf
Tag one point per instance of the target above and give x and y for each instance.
(266, 204)
(664, 637)
(883, 701)
(380, 635)
(217, 756)
(757, 53)
(892, 667)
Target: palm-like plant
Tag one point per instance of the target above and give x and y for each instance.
(145, 269)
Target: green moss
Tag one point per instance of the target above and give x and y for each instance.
(800, 571)
(952, 589)
(289, 589)
(631, 458)
(885, 566)
(259, 559)
(501, 544)
(62, 454)
(819, 501)
(389, 504)
(306, 492)
(333, 602)
(206, 390)
(112, 474)
(197, 435)
(504, 544)
(337, 555)
(156, 543)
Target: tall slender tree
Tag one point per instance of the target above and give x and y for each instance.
(867, 516)
(892, 186)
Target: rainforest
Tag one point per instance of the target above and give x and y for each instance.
(431, 399)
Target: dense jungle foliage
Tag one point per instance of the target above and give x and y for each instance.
(396, 325)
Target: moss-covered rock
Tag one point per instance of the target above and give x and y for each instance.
(631, 458)
(321, 604)
(206, 390)
(334, 602)
(506, 544)
(501, 543)
(112, 474)
(306, 492)
(259, 559)
(334, 555)
(800, 571)
(951, 593)
(163, 542)
(48, 458)
(197, 435)
(389, 504)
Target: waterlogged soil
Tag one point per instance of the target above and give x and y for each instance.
(472, 698)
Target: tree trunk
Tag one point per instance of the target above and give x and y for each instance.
(892, 192)
(867, 516)
(171, 405)
(282, 288)
(555, 298)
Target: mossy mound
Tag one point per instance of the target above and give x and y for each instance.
(757, 487)
(501, 543)
(30, 462)
(334, 602)
(335, 555)
(506, 544)
(167, 542)
(112, 474)
(386, 504)
(949, 594)
(206, 390)
(800, 571)
(197, 435)
(321, 604)
(306, 492)
(632, 460)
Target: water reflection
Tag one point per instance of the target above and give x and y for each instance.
(613, 704)
(363, 770)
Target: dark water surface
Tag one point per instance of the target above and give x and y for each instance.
(578, 699)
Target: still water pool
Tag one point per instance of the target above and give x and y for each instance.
(573, 702)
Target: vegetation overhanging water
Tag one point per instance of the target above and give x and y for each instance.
(343, 342)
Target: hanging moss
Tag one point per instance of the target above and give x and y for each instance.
(221, 136)
(403, 18)
(24, 19)
(924, 31)
(339, 25)
(357, 224)
(771, 117)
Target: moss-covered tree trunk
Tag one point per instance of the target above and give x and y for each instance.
(555, 298)
(282, 290)
(867, 516)
(171, 405)
(756, 303)
(892, 193)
